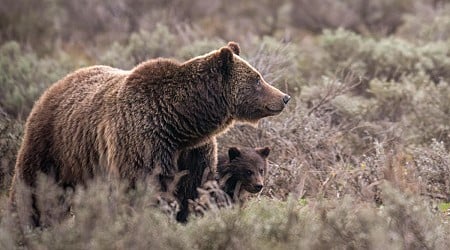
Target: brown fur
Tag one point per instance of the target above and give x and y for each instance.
(196, 162)
(242, 170)
(231, 183)
(134, 124)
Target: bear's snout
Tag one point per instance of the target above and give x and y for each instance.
(278, 104)
(253, 188)
(258, 187)
(286, 99)
(277, 100)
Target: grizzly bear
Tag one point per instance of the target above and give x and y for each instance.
(239, 172)
(242, 170)
(134, 124)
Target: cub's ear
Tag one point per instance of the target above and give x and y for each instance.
(234, 47)
(233, 153)
(264, 152)
(225, 60)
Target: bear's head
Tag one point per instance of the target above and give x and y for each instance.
(248, 95)
(251, 96)
(247, 166)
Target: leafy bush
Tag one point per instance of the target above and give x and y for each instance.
(10, 138)
(379, 16)
(104, 216)
(141, 46)
(199, 47)
(23, 77)
(427, 23)
(276, 60)
(430, 117)
(433, 167)
(386, 58)
(28, 22)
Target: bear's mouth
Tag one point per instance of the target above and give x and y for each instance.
(251, 189)
(274, 110)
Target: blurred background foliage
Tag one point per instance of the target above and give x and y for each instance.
(371, 104)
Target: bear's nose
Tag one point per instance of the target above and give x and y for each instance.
(258, 187)
(286, 99)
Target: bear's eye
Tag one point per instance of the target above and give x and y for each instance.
(248, 173)
(261, 171)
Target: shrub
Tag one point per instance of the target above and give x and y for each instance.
(141, 46)
(10, 138)
(105, 216)
(276, 60)
(29, 23)
(314, 136)
(431, 115)
(23, 77)
(427, 23)
(199, 47)
(380, 16)
(412, 222)
(433, 167)
(386, 58)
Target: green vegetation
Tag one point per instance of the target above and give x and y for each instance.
(360, 158)
(444, 207)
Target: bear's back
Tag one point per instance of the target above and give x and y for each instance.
(70, 113)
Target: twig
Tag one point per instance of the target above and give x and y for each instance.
(333, 92)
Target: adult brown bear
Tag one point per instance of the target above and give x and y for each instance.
(135, 124)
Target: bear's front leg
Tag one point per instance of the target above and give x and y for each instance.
(197, 161)
(164, 169)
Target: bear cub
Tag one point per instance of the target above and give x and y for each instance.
(239, 172)
(242, 170)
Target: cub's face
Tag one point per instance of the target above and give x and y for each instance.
(253, 97)
(249, 167)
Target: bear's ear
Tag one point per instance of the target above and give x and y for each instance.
(234, 47)
(226, 60)
(233, 153)
(264, 152)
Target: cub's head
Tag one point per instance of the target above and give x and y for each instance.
(249, 96)
(247, 166)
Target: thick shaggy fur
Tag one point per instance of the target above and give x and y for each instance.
(135, 124)
(242, 170)
(196, 161)
(239, 172)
